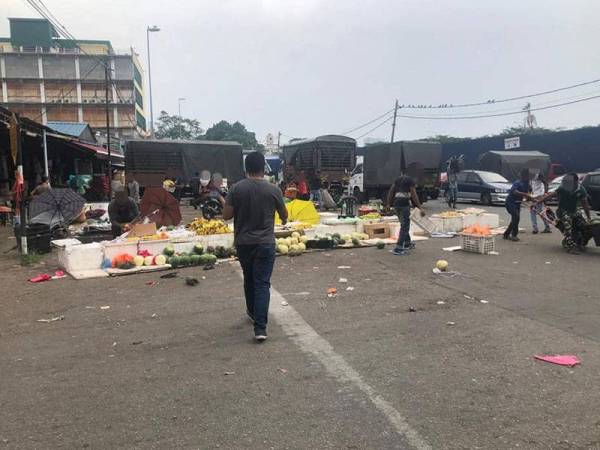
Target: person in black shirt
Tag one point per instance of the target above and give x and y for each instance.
(121, 212)
(399, 197)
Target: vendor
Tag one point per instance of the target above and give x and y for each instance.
(41, 188)
(122, 211)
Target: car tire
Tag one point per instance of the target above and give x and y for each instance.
(486, 199)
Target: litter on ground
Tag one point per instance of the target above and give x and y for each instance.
(561, 360)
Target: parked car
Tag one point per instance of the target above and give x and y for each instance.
(591, 183)
(480, 186)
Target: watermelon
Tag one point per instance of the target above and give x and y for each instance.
(169, 250)
(207, 258)
(212, 259)
(220, 252)
(174, 261)
(149, 260)
(198, 249)
(195, 260)
(210, 250)
(380, 245)
(184, 260)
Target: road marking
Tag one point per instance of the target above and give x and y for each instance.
(309, 341)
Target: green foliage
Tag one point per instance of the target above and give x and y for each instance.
(30, 259)
(177, 127)
(225, 131)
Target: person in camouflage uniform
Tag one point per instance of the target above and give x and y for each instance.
(572, 197)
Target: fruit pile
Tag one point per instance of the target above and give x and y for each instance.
(199, 256)
(370, 216)
(449, 214)
(126, 261)
(478, 230)
(204, 227)
(292, 246)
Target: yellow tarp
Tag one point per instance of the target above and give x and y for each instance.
(300, 211)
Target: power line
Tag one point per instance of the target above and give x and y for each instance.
(375, 128)
(493, 102)
(352, 130)
(498, 114)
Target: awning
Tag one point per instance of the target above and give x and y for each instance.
(99, 150)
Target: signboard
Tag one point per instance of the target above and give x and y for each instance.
(510, 143)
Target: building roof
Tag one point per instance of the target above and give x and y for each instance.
(71, 128)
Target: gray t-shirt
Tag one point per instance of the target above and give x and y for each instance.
(254, 204)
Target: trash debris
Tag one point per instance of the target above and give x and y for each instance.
(495, 253)
(40, 278)
(448, 274)
(191, 281)
(483, 301)
(548, 262)
(209, 267)
(53, 319)
(331, 292)
(228, 373)
(344, 267)
(350, 288)
(412, 309)
(343, 280)
(284, 303)
(452, 249)
(105, 307)
(467, 297)
(136, 342)
(170, 275)
(561, 360)
(114, 344)
(440, 302)
(282, 370)
(450, 323)
(515, 262)
(154, 316)
(151, 283)
(203, 277)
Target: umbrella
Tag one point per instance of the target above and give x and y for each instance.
(160, 206)
(56, 207)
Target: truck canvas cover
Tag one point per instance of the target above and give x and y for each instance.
(383, 163)
(150, 159)
(324, 153)
(510, 163)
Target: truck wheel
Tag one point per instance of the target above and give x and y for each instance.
(433, 195)
(486, 199)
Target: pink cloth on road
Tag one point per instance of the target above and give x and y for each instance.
(561, 360)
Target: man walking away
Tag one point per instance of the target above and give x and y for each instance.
(539, 188)
(399, 196)
(518, 191)
(252, 203)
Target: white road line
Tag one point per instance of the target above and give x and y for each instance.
(312, 343)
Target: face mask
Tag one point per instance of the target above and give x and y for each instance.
(204, 183)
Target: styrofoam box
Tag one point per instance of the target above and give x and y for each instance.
(489, 219)
(328, 215)
(112, 249)
(81, 257)
(153, 247)
(444, 225)
(342, 228)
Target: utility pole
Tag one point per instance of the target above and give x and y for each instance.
(278, 141)
(20, 176)
(394, 122)
(106, 80)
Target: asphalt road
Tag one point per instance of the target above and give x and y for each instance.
(382, 366)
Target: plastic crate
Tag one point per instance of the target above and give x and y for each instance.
(477, 244)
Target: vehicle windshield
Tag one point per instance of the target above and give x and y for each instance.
(490, 177)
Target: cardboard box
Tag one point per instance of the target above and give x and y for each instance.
(377, 230)
(142, 229)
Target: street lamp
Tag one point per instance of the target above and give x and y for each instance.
(179, 100)
(152, 29)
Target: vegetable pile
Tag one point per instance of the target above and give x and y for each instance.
(292, 246)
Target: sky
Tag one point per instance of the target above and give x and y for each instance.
(311, 67)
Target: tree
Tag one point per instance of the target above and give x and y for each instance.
(225, 131)
(177, 127)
